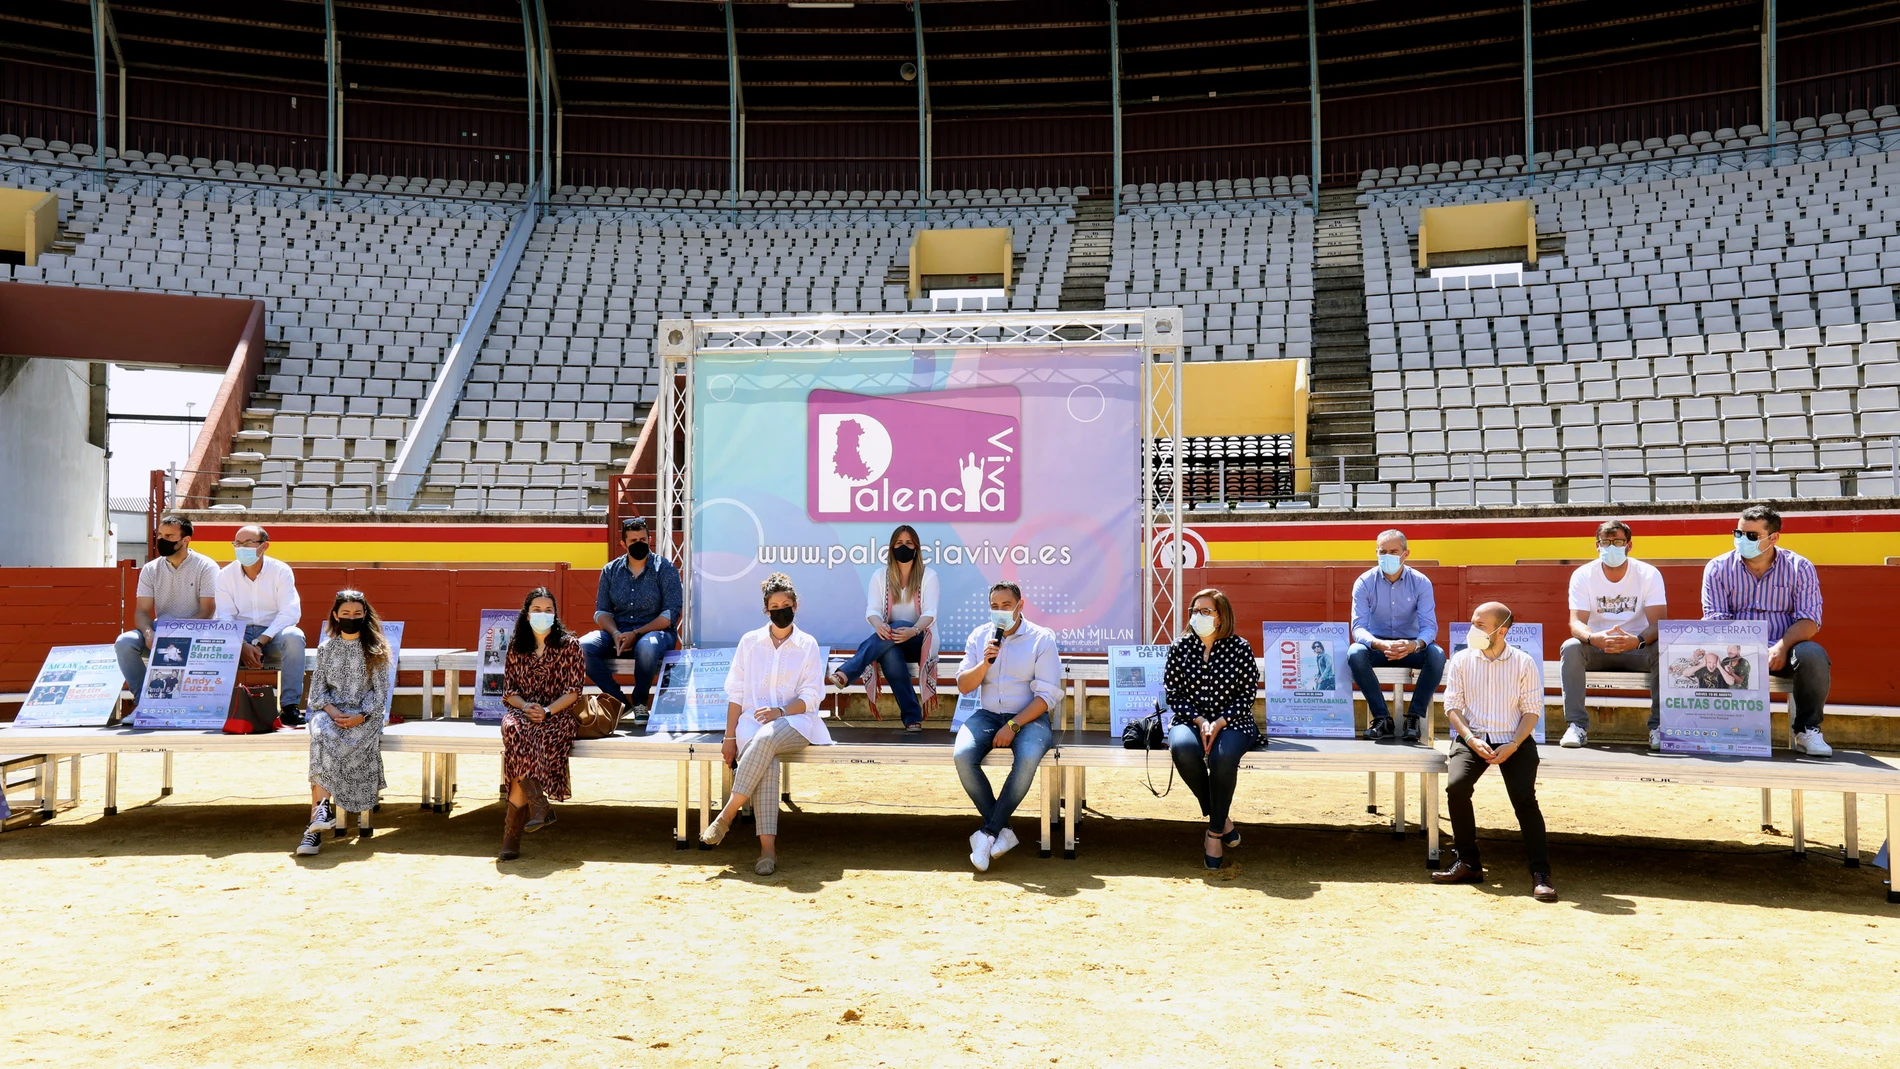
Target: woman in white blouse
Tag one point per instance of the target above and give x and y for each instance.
(901, 608)
(772, 695)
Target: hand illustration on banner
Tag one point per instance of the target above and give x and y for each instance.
(972, 479)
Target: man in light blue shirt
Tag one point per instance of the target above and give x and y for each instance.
(1017, 671)
(1394, 620)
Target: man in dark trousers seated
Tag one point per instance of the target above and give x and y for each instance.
(1494, 698)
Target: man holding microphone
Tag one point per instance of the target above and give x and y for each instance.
(1015, 666)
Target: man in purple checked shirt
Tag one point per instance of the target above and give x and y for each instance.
(1761, 581)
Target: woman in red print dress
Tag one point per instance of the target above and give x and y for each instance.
(544, 676)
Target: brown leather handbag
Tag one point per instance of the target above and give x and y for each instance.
(597, 715)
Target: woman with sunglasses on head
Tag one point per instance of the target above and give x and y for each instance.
(1211, 682)
(349, 695)
(542, 681)
(902, 611)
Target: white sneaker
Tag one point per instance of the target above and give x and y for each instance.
(323, 816)
(312, 842)
(981, 847)
(1811, 743)
(1575, 736)
(1005, 842)
(1655, 740)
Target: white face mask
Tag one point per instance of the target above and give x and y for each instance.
(1203, 625)
(1480, 640)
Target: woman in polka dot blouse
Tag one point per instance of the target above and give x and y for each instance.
(1212, 680)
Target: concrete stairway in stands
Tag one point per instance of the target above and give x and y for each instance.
(1085, 277)
(1339, 420)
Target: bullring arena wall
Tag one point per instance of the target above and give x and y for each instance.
(437, 578)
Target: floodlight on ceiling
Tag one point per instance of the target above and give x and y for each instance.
(908, 72)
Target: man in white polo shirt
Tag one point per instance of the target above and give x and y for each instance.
(178, 583)
(1615, 603)
(260, 592)
(1493, 698)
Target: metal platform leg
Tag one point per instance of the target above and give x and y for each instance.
(1082, 787)
(1372, 792)
(1068, 814)
(72, 781)
(166, 789)
(784, 782)
(428, 782)
(705, 798)
(438, 784)
(49, 786)
(1430, 808)
(1850, 829)
(681, 800)
(428, 695)
(448, 782)
(1799, 817)
(1893, 846)
(1398, 805)
(1047, 817)
(112, 784)
(1767, 810)
(1424, 792)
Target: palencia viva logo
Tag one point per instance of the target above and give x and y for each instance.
(950, 455)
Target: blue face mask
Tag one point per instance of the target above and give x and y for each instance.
(1390, 563)
(247, 555)
(1747, 549)
(542, 622)
(1613, 556)
(1003, 619)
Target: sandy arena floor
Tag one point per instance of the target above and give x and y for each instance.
(182, 932)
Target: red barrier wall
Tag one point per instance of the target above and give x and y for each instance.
(45, 607)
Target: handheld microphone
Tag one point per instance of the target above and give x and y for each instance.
(999, 645)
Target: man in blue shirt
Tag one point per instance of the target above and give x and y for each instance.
(1394, 620)
(637, 608)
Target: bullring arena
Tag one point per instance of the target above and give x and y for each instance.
(949, 533)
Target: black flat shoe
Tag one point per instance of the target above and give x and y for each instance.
(1380, 730)
(1411, 729)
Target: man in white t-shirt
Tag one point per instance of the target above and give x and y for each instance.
(1615, 603)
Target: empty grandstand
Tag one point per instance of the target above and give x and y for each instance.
(1707, 311)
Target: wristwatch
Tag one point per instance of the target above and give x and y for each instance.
(1011, 724)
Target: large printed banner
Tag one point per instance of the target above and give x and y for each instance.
(691, 695)
(1714, 686)
(194, 666)
(1011, 464)
(1523, 636)
(1309, 691)
(1136, 676)
(78, 686)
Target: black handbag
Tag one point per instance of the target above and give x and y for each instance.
(1147, 734)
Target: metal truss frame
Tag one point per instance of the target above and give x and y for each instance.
(1156, 332)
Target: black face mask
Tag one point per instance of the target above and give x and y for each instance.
(166, 547)
(353, 626)
(903, 554)
(639, 550)
(782, 618)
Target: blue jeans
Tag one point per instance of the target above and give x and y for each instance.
(1430, 663)
(975, 739)
(1211, 775)
(649, 652)
(895, 658)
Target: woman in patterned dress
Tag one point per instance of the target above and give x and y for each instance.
(349, 690)
(1212, 681)
(542, 681)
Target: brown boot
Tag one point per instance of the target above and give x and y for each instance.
(511, 832)
(538, 813)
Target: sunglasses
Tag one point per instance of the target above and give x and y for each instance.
(1752, 536)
